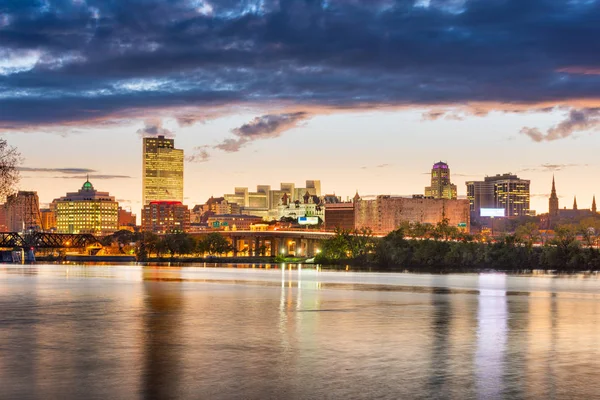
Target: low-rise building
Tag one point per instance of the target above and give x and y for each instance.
(165, 217)
(127, 220)
(233, 222)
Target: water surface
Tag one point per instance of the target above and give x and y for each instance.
(131, 332)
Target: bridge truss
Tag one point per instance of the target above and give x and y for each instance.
(40, 240)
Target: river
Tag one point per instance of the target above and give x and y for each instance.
(244, 332)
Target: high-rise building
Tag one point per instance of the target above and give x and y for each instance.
(162, 170)
(165, 217)
(86, 211)
(441, 187)
(23, 211)
(505, 191)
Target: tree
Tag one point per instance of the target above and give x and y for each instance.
(214, 243)
(528, 234)
(10, 158)
(178, 243)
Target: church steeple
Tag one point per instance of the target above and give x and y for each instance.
(594, 210)
(575, 203)
(553, 201)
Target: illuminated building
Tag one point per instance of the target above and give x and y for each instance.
(162, 170)
(23, 211)
(86, 211)
(386, 213)
(505, 191)
(127, 220)
(48, 219)
(266, 202)
(233, 222)
(341, 215)
(441, 187)
(165, 217)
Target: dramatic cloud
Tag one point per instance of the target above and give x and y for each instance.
(71, 63)
(263, 127)
(60, 170)
(577, 121)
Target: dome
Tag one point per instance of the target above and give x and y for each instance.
(87, 186)
(440, 165)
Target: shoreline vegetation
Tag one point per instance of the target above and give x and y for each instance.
(442, 248)
(411, 248)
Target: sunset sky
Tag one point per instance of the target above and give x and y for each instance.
(362, 95)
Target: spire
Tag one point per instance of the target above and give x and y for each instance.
(553, 201)
(356, 196)
(594, 210)
(575, 203)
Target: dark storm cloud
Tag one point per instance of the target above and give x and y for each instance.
(72, 62)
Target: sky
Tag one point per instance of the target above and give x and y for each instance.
(363, 95)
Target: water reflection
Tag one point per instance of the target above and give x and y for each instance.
(491, 336)
(163, 305)
(170, 332)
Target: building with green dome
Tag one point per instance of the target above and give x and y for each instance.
(86, 211)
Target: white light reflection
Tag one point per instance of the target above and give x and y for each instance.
(491, 335)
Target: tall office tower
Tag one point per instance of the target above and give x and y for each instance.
(441, 187)
(23, 211)
(162, 170)
(553, 201)
(501, 191)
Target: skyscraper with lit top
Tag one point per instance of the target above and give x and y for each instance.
(162, 169)
(441, 187)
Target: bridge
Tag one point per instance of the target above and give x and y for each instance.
(272, 243)
(40, 240)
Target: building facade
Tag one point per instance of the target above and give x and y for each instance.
(385, 214)
(162, 170)
(266, 202)
(233, 222)
(127, 220)
(165, 217)
(441, 187)
(23, 212)
(86, 211)
(340, 216)
(48, 220)
(505, 191)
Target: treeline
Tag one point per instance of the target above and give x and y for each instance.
(147, 244)
(444, 248)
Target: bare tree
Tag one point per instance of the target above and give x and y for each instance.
(10, 158)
